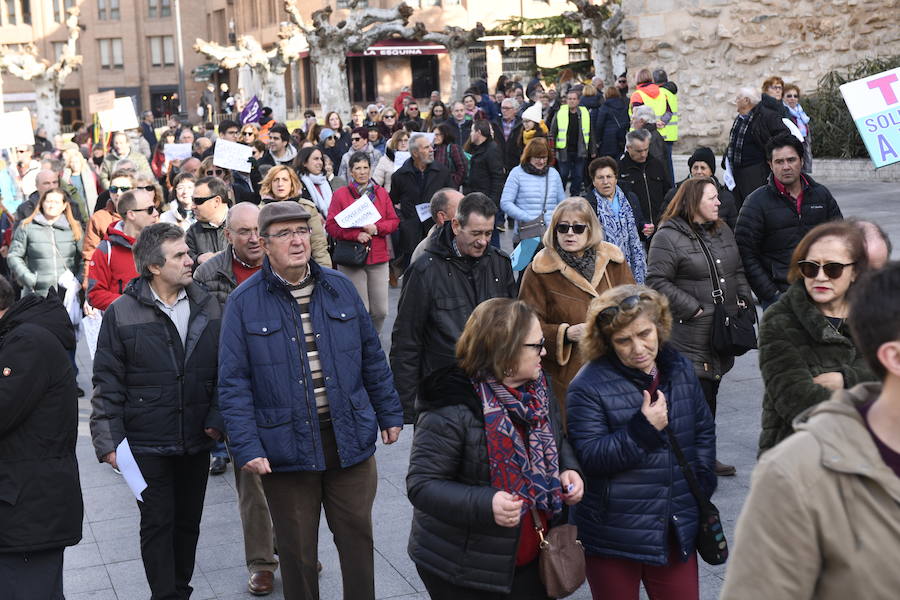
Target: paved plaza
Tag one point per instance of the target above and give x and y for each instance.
(106, 565)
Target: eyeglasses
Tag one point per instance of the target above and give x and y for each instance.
(355, 139)
(115, 189)
(216, 172)
(198, 200)
(245, 233)
(539, 346)
(146, 188)
(390, 116)
(149, 210)
(791, 96)
(578, 228)
(609, 313)
(281, 236)
(833, 270)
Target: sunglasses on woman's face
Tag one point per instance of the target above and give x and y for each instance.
(578, 228)
(146, 188)
(833, 270)
(606, 315)
(115, 189)
(248, 133)
(215, 172)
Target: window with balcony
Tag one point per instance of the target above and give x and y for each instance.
(162, 51)
(111, 53)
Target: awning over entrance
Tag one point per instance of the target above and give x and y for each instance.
(204, 71)
(398, 47)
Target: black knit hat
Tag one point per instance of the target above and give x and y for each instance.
(703, 154)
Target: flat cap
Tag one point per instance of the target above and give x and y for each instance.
(278, 212)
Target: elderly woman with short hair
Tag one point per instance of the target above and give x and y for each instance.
(798, 116)
(638, 521)
(488, 455)
(574, 267)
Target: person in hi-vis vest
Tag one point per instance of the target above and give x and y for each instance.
(573, 139)
(658, 94)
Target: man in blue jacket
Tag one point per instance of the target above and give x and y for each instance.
(304, 388)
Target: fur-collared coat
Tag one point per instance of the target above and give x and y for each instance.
(560, 295)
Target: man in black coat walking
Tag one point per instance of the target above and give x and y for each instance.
(412, 184)
(645, 176)
(40, 493)
(775, 218)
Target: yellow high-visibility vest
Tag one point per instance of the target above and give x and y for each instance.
(670, 131)
(562, 126)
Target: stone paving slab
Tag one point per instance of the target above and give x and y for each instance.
(106, 564)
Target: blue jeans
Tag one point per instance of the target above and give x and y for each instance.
(572, 169)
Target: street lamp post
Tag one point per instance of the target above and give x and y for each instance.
(179, 57)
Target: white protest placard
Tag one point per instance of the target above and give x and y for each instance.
(120, 117)
(101, 101)
(400, 158)
(424, 211)
(16, 128)
(90, 325)
(177, 151)
(231, 155)
(874, 104)
(360, 213)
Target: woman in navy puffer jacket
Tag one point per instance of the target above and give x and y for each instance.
(638, 519)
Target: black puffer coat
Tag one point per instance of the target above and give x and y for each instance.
(486, 171)
(769, 228)
(509, 147)
(612, 124)
(454, 534)
(440, 291)
(678, 268)
(147, 385)
(40, 492)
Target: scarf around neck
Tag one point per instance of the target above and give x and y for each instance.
(584, 264)
(358, 190)
(532, 170)
(800, 117)
(527, 468)
(322, 197)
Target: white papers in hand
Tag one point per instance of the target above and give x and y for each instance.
(424, 211)
(129, 469)
(232, 155)
(360, 213)
(400, 158)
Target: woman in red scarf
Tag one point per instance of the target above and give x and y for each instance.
(488, 449)
(371, 278)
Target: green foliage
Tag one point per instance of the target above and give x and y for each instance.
(834, 134)
(556, 26)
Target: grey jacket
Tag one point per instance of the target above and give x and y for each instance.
(217, 276)
(41, 251)
(205, 237)
(678, 268)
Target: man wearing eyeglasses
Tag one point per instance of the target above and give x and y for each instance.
(305, 388)
(207, 236)
(775, 217)
(23, 169)
(112, 265)
(460, 270)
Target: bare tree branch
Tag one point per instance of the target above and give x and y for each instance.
(383, 31)
(456, 37)
(359, 20)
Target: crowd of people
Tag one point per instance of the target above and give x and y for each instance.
(242, 314)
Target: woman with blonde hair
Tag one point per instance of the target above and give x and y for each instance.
(488, 456)
(636, 394)
(574, 267)
(281, 184)
(46, 244)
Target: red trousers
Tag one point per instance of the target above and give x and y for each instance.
(620, 578)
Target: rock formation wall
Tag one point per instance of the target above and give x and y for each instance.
(710, 48)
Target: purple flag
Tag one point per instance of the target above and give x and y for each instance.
(250, 114)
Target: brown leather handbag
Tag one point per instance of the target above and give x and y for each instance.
(561, 559)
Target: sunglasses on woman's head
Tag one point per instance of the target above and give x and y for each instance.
(578, 228)
(833, 270)
(605, 316)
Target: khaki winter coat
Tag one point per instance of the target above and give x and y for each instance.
(823, 516)
(560, 296)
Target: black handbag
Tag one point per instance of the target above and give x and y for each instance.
(711, 543)
(350, 254)
(731, 335)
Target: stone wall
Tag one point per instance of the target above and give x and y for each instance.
(710, 48)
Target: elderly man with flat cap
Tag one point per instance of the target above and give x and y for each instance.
(305, 389)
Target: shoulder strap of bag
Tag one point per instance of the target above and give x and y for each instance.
(686, 470)
(717, 294)
(546, 191)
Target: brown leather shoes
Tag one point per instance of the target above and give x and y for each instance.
(261, 583)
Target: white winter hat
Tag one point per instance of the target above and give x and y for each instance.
(533, 113)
